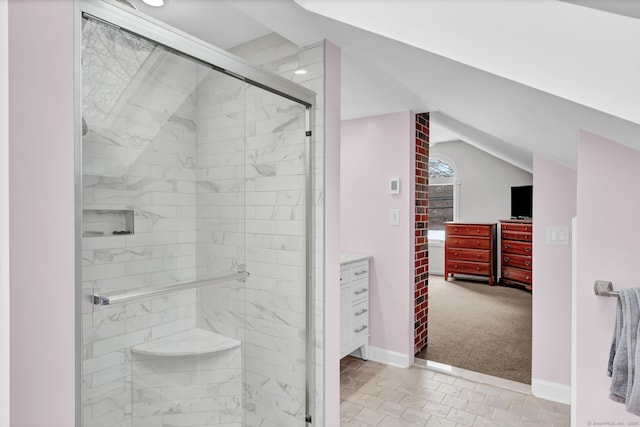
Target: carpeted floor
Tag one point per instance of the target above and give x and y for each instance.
(480, 328)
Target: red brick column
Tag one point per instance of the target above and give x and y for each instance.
(421, 271)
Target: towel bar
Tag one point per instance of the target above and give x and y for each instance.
(603, 288)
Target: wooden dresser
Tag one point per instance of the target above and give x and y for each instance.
(516, 252)
(470, 248)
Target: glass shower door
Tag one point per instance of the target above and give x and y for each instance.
(194, 221)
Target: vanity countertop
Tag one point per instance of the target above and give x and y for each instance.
(347, 257)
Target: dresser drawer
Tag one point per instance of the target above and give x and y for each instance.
(467, 242)
(513, 247)
(506, 226)
(511, 273)
(516, 235)
(468, 230)
(520, 261)
(466, 267)
(469, 255)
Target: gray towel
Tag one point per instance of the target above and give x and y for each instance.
(625, 353)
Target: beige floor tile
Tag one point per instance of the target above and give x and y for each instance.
(369, 416)
(371, 402)
(507, 417)
(438, 409)
(415, 416)
(455, 402)
(440, 422)
(376, 395)
(392, 409)
(524, 410)
(415, 402)
(480, 409)
(461, 417)
(391, 395)
(349, 410)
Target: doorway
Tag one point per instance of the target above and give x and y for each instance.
(464, 310)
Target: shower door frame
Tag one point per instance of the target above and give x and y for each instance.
(119, 15)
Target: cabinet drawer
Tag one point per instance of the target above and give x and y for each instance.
(468, 267)
(360, 313)
(516, 235)
(360, 320)
(468, 230)
(468, 242)
(511, 273)
(468, 255)
(505, 226)
(520, 261)
(514, 247)
(359, 271)
(359, 291)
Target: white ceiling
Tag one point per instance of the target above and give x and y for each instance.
(512, 78)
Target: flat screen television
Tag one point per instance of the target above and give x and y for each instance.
(522, 202)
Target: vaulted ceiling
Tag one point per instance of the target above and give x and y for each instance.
(512, 78)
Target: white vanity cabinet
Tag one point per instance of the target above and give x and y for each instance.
(354, 304)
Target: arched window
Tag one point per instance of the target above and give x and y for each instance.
(443, 192)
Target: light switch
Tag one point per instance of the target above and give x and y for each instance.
(557, 235)
(394, 217)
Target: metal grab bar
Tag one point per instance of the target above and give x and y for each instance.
(604, 288)
(119, 297)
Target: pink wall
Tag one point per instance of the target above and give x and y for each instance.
(554, 204)
(608, 208)
(332, 234)
(4, 216)
(41, 150)
(373, 150)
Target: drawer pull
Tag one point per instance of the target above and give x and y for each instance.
(506, 272)
(359, 273)
(527, 278)
(478, 268)
(527, 249)
(361, 312)
(527, 263)
(455, 253)
(506, 259)
(360, 329)
(361, 291)
(506, 246)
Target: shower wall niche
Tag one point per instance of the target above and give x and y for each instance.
(209, 175)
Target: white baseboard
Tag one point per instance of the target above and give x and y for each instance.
(388, 357)
(548, 390)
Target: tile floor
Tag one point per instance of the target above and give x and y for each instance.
(378, 395)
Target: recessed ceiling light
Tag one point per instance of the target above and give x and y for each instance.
(154, 3)
(300, 72)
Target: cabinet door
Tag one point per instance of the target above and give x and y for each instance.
(345, 318)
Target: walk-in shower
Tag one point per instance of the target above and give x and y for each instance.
(196, 212)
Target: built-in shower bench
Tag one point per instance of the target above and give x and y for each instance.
(191, 342)
(191, 378)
